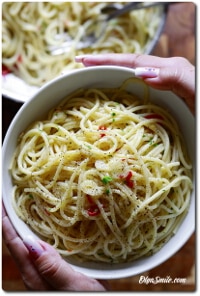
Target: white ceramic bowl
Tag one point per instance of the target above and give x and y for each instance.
(48, 97)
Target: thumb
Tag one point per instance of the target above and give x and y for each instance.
(57, 272)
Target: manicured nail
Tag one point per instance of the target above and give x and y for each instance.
(79, 59)
(34, 248)
(146, 72)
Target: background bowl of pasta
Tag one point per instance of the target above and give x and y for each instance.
(102, 174)
(40, 25)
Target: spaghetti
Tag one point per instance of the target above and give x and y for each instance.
(29, 28)
(104, 178)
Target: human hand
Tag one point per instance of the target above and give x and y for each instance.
(175, 74)
(41, 267)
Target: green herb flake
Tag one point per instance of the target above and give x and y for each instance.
(113, 116)
(88, 146)
(106, 179)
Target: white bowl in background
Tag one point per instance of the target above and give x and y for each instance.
(15, 88)
(48, 97)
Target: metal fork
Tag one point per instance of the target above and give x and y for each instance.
(88, 39)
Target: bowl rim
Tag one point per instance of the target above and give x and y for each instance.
(119, 270)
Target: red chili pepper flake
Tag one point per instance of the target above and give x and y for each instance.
(93, 210)
(128, 177)
(19, 59)
(89, 198)
(130, 183)
(102, 135)
(5, 70)
(102, 128)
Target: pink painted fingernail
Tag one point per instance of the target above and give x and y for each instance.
(34, 248)
(146, 72)
(79, 59)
